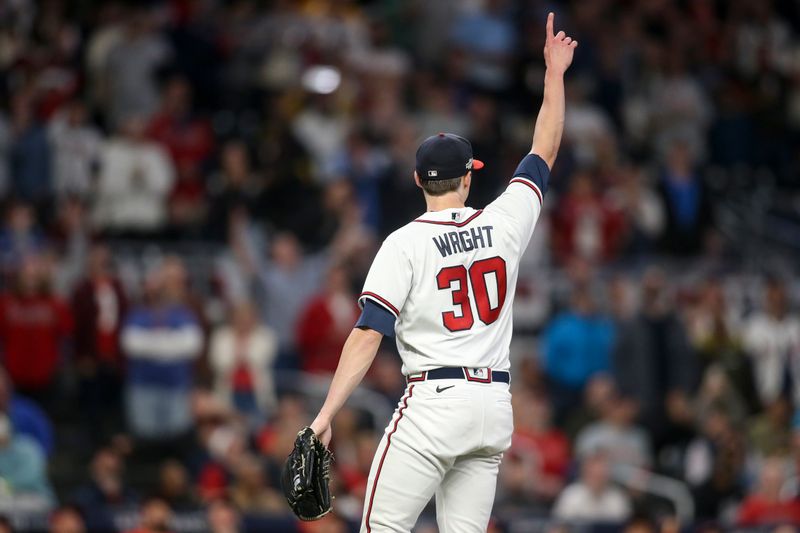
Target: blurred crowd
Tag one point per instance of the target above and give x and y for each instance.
(192, 191)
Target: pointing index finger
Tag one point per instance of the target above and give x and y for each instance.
(550, 17)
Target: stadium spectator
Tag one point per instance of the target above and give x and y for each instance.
(275, 440)
(637, 202)
(189, 141)
(680, 108)
(617, 436)
(288, 280)
(586, 125)
(34, 323)
(365, 167)
(353, 471)
(235, 187)
(69, 246)
(585, 223)
(715, 330)
(241, 356)
(132, 60)
(251, 491)
(29, 153)
(598, 397)
(541, 448)
(99, 305)
(653, 362)
(385, 376)
(713, 463)
(27, 418)
(593, 498)
(19, 237)
(771, 336)
(716, 392)
(321, 114)
(155, 516)
(686, 202)
(223, 517)
(106, 487)
(66, 519)
(576, 345)
(174, 487)
(769, 433)
(325, 323)
(23, 467)
(76, 147)
(136, 176)
(486, 36)
(291, 198)
(161, 339)
(765, 506)
(208, 461)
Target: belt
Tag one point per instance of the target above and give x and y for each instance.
(478, 375)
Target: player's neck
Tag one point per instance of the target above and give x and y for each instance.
(451, 200)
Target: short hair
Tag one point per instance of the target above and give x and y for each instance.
(440, 187)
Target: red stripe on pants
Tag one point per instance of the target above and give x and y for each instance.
(383, 457)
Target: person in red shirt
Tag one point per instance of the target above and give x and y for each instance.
(188, 139)
(155, 516)
(326, 322)
(34, 323)
(541, 448)
(764, 506)
(190, 142)
(585, 223)
(99, 305)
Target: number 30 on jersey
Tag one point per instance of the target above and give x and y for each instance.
(477, 275)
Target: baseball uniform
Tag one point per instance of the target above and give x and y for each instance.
(444, 286)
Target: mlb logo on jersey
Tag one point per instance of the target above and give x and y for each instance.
(482, 375)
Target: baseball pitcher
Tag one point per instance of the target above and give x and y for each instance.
(443, 286)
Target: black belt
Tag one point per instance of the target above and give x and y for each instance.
(478, 375)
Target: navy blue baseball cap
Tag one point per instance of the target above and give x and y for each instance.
(445, 156)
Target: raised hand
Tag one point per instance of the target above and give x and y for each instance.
(558, 48)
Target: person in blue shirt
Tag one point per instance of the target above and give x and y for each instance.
(23, 465)
(27, 418)
(576, 345)
(161, 340)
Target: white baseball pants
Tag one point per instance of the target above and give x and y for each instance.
(448, 444)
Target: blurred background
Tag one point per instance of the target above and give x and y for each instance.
(192, 192)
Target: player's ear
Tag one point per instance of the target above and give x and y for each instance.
(467, 180)
(416, 179)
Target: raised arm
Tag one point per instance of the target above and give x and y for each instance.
(558, 50)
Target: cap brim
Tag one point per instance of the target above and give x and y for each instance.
(477, 164)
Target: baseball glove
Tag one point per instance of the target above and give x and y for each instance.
(306, 475)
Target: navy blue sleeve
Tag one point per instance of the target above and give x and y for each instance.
(534, 169)
(373, 316)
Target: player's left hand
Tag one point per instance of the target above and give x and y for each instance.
(558, 48)
(322, 429)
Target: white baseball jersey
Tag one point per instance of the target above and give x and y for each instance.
(449, 277)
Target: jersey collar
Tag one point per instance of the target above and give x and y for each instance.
(454, 216)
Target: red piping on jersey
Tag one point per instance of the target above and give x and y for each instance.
(383, 457)
(532, 185)
(450, 223)
(381, 300)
